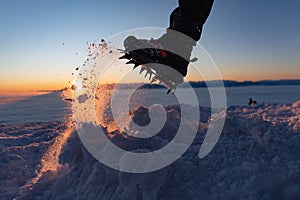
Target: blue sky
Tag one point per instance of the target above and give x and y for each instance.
(248, 40)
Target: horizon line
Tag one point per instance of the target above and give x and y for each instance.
(192, 81)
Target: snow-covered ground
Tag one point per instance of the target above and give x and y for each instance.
(256, 157)
(32, 107)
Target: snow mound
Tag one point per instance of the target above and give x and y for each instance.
(256, 157)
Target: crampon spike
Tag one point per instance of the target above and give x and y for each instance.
(156, 77)
(150, 75)
(131, 62)
(121, 50)
(135, 66)
(142, 69)
(126, 56)
(171, 90)
(153, 80)
(147, 73)
(194, 59)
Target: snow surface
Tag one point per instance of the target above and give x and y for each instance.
(32, 107)
(256, 157)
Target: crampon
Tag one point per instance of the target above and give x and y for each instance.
(151, 58)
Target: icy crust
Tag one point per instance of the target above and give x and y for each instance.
(22, 148)
(285, 117)
(256, 157)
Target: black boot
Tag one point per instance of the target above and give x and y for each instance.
(172, 49)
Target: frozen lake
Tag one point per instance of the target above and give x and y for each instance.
(20, 108)
(237, 96)
(30, 108)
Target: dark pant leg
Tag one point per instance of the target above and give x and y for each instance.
(190, 16)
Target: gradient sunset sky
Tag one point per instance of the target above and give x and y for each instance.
(248, 40)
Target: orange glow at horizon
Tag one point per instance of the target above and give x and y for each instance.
(35, 86)
(55, 83)
(32, 85)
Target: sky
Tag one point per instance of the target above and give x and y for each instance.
(43, 41)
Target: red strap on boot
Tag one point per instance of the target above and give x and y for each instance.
(163, 53)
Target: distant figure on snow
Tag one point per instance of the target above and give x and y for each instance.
(252, 102)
